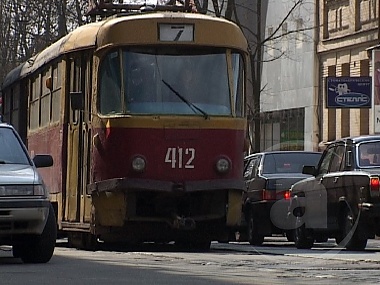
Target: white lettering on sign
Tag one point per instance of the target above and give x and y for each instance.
(179, 157)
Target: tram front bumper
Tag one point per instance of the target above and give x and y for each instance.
(126, 184)
(122, 200)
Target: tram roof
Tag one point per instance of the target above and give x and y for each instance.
(104, 33)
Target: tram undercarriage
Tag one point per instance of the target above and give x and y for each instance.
(189, 218)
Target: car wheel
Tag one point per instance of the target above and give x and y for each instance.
(338, 239)
(322, 239)
(352, 238)
(39, 248)
(303, 238)
(254, 237)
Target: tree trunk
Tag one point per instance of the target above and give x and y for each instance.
(257, 81)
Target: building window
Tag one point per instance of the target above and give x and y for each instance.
(300, 35)
(283, 130)
(271, 42)
(339, 19)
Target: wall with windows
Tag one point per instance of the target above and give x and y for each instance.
(295, 77)
(348, 29)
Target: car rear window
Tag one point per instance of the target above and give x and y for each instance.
(289, 162)
(11, 151)
(369, 154)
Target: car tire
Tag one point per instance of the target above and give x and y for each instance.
(254, 238)
(355, 241)
(322, 239)
(39, 248)
(338, 239)
(303, 238)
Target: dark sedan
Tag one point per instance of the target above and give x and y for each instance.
(268, 177)
(341, 199)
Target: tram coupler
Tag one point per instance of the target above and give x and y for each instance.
(183, 223)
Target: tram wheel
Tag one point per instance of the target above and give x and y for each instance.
(254, 237)
(85, 241)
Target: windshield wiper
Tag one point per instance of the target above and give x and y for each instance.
(191, 105)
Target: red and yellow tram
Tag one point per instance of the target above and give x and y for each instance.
(144, 115)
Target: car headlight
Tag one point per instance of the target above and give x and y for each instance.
(22, 190)
(39, 190)
(223, 165)
(138, 164)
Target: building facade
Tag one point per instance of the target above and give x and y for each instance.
(327, 38)
(289, 84)
(348, 30)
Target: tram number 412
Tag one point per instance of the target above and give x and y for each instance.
(180, 157)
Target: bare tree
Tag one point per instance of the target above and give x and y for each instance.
(251, 17)
(6, 41)
(26, 27)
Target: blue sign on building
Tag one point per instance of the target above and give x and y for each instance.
(349, 92)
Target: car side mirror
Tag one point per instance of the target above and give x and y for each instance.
(308, 170)
(43, 160)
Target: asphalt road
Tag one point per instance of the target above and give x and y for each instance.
(277, 262)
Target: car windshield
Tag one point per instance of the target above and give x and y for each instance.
(171, 81)
(11, 151)
(289, 162)
(369, 154)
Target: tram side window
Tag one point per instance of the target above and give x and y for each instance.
(110, 84)
(34, 110)
(11, 105)
(238, 79)
(7, 97)
(55, 96)
(44, 104)
(15, 107)
(45, 101)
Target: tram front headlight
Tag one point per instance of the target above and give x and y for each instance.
(223, 165)
(138, 164)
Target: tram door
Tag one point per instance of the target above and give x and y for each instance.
(78, 203)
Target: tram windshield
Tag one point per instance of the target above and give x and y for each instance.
(171, 81)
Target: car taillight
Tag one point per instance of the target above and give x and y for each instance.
(374, 184)
(269, 194)
(287, 195)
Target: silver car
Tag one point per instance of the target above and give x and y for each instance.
(27, 218)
